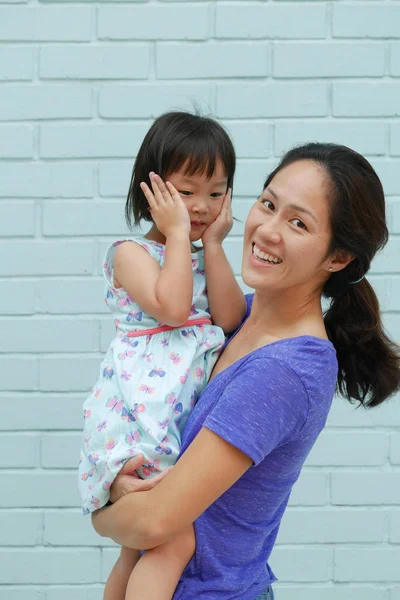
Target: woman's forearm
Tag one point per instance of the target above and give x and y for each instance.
(130, 522)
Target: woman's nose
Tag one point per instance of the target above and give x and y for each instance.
(269, 231)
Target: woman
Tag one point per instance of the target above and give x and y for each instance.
(313, 231)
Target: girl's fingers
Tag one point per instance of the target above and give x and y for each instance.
(156, 189)
(148, 194)
(163, 188)
(173, 192)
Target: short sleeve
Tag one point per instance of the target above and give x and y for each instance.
(264, 406)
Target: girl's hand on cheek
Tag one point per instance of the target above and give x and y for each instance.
(128, 481)
(167, 208)
(219, 229)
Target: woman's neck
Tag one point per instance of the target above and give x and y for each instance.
(290, 314)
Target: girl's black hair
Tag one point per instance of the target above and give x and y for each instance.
(369, 362)
(176, 139)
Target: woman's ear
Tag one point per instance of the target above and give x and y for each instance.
(339, 261)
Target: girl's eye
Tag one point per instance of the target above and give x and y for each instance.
(299, 224)
(216, 195)
(185, 192)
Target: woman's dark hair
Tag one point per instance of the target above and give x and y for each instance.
(176, 139)
(369, 362)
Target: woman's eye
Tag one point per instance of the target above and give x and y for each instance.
(185, 192)
(299, 224)
(270, 205)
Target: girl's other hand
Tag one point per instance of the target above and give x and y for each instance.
(167, 208)
(128, 481)
(219, 229)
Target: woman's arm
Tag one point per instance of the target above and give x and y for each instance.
(225, 298)
(205, 471)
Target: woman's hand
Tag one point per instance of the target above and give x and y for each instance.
(128, 481)
(219, 229)
(167, 208)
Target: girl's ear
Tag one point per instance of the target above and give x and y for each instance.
(338, 261)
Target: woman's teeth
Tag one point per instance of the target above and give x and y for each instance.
(266, 257)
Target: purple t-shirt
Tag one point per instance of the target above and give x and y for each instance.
(271, 404)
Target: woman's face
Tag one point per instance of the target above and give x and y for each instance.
(287, 233)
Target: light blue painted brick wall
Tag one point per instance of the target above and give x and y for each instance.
(80, 83)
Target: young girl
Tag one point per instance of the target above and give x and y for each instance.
(169, 328)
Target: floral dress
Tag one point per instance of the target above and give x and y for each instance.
(147, 386)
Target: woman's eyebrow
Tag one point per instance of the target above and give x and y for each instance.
(293, 206)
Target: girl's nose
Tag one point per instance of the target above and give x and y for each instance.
(199, 205)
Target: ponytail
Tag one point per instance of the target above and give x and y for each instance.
(369, 362)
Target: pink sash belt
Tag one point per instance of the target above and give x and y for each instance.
(162, 328)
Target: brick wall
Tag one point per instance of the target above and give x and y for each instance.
(79, 86)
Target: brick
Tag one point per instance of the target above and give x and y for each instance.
(153, 22)
(114, 178)
(311, 489)
(21, 593)
(44, 102)
(60, 450)
(76, 219)
(76, 592)
(37, 180)
(395, 59)
(395, 448)
(152, 99)
(212, 60)
(18, 373)
(41, 412)
(332, 526)
(344, 414)
(48, 24)
(367, 488)
(366, 99)
(249, 180)
(388, 172)
(328, 59)
(346, 449)
(395, 139)
(274, 21)
(19, 450)
(302, 564)
(366, 137)
(17, 218)
(69, 374)
(95, 62)
(21, 528)
(71, 528)
(16, 63)
(47, 257)
(261, 100)
(395, 593)
(48, 335)
(50, 565)
(71, 296)
(385, 287)
(92, 141)
(387, 261)
(394, 527)
(329, 592)
(107, 329)
(391, 324)
(16, 141)
(394, 215)
(108, 558)
(252, 139)
(39, 489)
(367, 564)
(366, 20)
(17, 297)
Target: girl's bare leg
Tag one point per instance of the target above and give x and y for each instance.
(157, 573)
(118, 580)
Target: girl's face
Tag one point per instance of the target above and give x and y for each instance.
(202, 196)
(287, 232)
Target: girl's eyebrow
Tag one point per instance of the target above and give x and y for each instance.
(293, 206)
